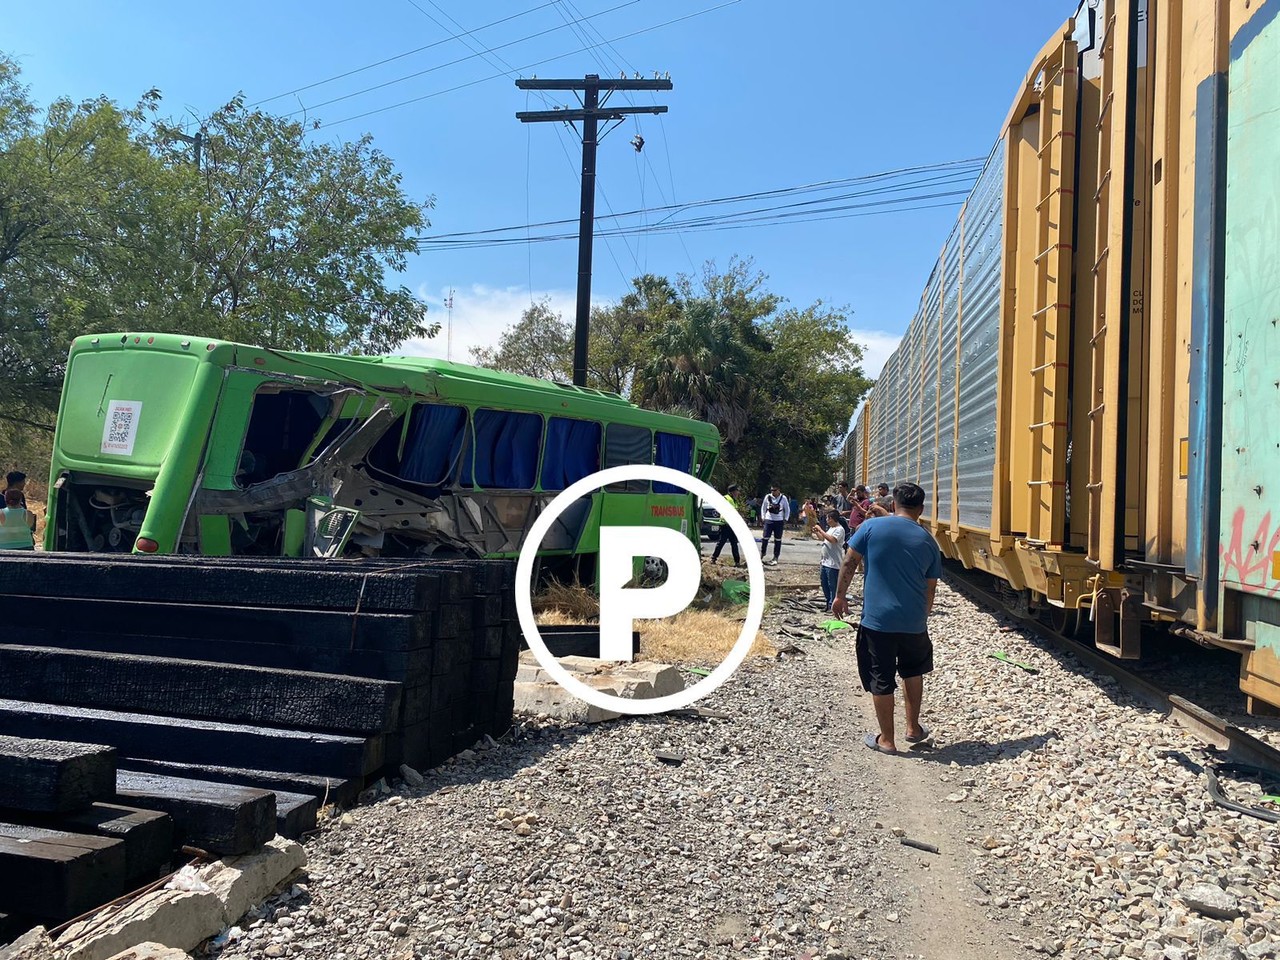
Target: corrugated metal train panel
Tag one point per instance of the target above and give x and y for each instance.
(949, 295)
(980, 334)
(929, 393)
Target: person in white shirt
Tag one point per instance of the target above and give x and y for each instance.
(834, 538)
(776, 510)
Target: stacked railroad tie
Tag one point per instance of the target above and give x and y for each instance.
(65, 847)
(234, 696)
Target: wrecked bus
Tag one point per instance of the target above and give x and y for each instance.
(173, 444)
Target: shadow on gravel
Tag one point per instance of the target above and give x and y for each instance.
(975, 753)
(526, 748)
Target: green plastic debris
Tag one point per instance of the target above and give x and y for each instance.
(700, 671)
(831, 626)
(736, 591)
(1005, 658)
(1270, 798)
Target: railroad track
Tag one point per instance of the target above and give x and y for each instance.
(1235, 744)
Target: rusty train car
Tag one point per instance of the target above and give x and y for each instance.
(1090, 387)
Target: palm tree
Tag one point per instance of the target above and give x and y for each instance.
(700, 364)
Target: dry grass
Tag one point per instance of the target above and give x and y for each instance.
(714, 574)
(558, 618)
(562, 605)
(696, 636)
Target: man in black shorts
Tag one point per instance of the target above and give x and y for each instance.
(903, 566)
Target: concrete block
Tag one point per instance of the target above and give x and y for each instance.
(32, 945)
(662, 678)
(241, 883)
(175, 918)
(530, 670)
(627, 687)
(152, 951)
(536, 692)
(550, 698)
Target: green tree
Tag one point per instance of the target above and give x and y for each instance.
(780, 384)
(813, 381)
(78, 201)
(702, 365)
(106, 222)
(621, 333)
(290, 242)
(539, 344)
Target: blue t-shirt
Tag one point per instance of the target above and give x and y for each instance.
(901, 555)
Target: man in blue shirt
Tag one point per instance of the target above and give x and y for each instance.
(903, 564)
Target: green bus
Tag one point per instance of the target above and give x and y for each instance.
(173, 444)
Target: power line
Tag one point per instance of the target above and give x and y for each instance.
(877, 207)
(440, 66)
(577, 177)
(968, 167)
(530, 66)
(657, 182)
(398, 56)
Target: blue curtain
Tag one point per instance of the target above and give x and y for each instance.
(676, 452)
(435, 437)
(507, 446)
(573, 452)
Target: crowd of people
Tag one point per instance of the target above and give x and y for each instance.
(880, 537)
(775, 511)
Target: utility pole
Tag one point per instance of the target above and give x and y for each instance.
(594, 109)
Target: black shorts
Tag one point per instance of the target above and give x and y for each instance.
(882, 654)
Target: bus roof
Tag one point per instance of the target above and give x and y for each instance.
(397, 373)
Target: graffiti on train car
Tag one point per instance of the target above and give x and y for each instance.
(1249, 558)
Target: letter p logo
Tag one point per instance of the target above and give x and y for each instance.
(621, 606)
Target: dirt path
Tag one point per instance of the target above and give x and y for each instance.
(935, 896)
(940, 916)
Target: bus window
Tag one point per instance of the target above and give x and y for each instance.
(674, 451)
(432, 445)
(507, 446)
(282, 427)
(624, 445)
(572, 452)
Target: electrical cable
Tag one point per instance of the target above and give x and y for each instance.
(529, 66)
(398, 56)
(737, 198)
(450, 63)
(895, 205)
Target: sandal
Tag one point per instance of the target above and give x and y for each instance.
(925, 734)
(872, 740)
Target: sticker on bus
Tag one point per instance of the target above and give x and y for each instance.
(121, 427)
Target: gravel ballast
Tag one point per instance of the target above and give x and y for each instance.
(1067, 818)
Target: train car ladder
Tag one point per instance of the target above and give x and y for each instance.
(1110, 299)
(1051, 294)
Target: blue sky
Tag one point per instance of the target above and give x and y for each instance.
(766, 96)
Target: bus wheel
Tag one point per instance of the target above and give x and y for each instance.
(655, 571)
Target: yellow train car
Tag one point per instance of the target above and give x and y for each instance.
(1089, 388)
